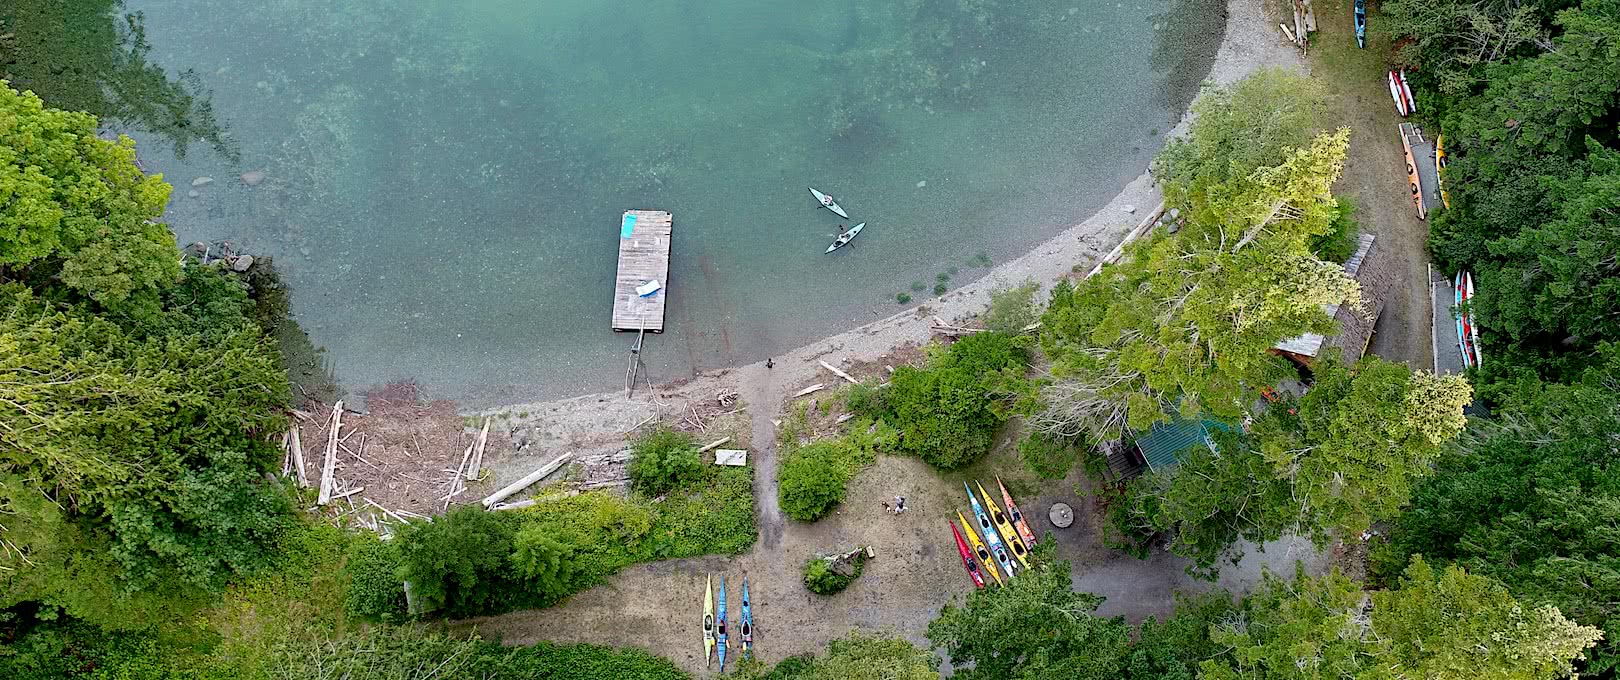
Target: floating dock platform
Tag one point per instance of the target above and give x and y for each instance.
(644, 240)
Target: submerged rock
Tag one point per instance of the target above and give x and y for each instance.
(194, 193)
(922, 184)
(253, 178)
(202, 181)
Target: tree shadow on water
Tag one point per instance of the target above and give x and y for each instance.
(87, 55)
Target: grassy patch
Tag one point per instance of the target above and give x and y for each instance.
(814, 476)
(820, 578)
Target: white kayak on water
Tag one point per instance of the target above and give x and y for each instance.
(846, 237)
(826, 201)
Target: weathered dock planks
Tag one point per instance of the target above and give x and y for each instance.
(644, 243)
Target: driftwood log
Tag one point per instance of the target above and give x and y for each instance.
(528, 479)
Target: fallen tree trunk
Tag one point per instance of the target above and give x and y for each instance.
(839, 373)
(528, 479)
(330, 466)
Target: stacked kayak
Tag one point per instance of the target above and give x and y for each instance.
(1007, 537)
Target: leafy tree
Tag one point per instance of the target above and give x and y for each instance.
(151, 446)
(1449, 624)
(544, 559)
(812, 478)
(663, 461)
(79, 210)
(1531, 498)
(950, 411)
(1048, 456)
(460, 564)
(375, 591)
(1343, 456)
(1185, 323)
(87, 56)
(1362, 436)
(1237, 130)
(1457, 40)
(1172, 650)
(1034, 627)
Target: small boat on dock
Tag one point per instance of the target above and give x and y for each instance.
(708, 621)
(967, 557)
(846, 237)
(978, 548)
(1017, 517)
(827, 202)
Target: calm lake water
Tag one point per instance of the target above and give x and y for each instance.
(445, 177)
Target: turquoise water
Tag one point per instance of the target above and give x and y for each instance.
(445, 178)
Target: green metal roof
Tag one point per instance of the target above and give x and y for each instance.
(1164, 444)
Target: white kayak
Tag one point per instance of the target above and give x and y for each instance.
(826, 201)
(846, 237)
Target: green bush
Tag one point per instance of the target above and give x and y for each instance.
(820, 578)
(1047, 456)
(664, 460)
(1013, 309)
(545, 559)
(949, 411)
(812, 477)
(459, 564)
(375, 591)
(1340, 243)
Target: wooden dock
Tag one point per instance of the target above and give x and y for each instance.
(644, 241)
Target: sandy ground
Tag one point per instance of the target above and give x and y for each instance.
(657, 606)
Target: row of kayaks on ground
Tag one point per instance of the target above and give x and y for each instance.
(1004, 548)
(716, 634)
(826, 201)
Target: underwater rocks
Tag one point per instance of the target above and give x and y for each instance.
(202, 181)
(253, 178)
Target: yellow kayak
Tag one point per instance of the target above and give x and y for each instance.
(708, 620)
(979, 549)
(1009, 535)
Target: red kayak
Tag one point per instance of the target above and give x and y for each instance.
(967, 556)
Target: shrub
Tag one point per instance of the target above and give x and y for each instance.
(949, 411)
(1340, 243)
(460, 562)
(820, 578)
(664, 460)
(545, 559)
(811, 480)
(375, 591)
(1013, 309)
(812, 477)
(1048, 456)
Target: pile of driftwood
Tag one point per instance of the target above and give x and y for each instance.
(698, 414)
(846, 563)
(333, 489)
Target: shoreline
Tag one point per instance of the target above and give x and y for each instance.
(1248, 44)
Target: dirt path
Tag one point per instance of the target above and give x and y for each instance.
(762, 392)
(1375, 178)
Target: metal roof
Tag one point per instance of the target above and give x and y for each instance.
(1163, 444)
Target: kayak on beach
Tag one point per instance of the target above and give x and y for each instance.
(826, 201)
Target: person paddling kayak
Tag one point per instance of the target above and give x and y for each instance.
(827, 200)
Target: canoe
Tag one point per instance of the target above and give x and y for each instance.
(1396, 94)
(988, 530)
(1473, 327)
(1017, 517)
(1361, 23)
(846, 237)
(747, 623)
(825, 201)
(720, 626)
(1406, 91)
(1014, 542)
(978, 549)
(708, 621)
(967, 557)
(1462, 328)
